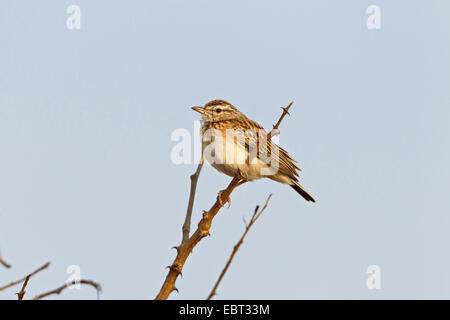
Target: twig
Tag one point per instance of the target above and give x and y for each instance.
(22, 291)
(67, 285)
(45, 266)
(274, 131)
(187, 222)
(3, 262)
(255, 217)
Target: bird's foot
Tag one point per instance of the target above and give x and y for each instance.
(222, 201)
(242, 175)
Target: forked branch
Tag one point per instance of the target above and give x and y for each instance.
(185, 248)
(45, 266)
(22, 291)
(255, 217)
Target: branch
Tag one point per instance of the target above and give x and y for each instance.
(22, 291)
(45, 266)
(187, 222)
(3, 262)
(67, 285)
(255, 217)
(185, 248)
(275, 130)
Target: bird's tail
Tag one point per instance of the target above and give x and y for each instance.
(301, 191)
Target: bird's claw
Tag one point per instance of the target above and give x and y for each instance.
(242, 175)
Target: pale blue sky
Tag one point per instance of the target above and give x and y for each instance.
(86, 116)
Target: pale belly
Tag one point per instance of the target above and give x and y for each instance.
(230, 158)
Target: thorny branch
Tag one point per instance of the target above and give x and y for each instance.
(275, 130)
(255, 217)
(45, 266)
(67, 285)
(185, 248)
(188, 243)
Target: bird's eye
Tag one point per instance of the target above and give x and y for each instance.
(218, 110)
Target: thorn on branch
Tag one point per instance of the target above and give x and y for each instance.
(175, 268)
(286, 110)
(176, 248)
(205, 233)
(275, 130)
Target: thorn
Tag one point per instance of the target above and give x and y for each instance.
(206, 233)
(176, 248)
(286, 110)
(175, 289)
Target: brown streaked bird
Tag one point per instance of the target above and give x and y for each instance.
(236, 145)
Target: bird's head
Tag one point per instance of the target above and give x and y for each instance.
(218, 110)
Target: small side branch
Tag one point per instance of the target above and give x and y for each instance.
(187, 222)
(22, 291)
(275, 130)
(3, 262)
(255, 217)
(67, 285)
(45, 266)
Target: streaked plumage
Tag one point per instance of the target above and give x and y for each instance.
(228, 136)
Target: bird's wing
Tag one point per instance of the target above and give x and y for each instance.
(256, 140)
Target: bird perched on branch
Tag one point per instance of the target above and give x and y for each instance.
(238, 146)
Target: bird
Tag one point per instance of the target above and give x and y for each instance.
(237, 146)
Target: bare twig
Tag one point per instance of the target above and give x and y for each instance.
(22, 291)
(272, 133)
(67, 285)
(255, 217)
(45, 266)
(3, 262)
(187, 222)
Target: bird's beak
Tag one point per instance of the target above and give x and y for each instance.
(198, 109)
